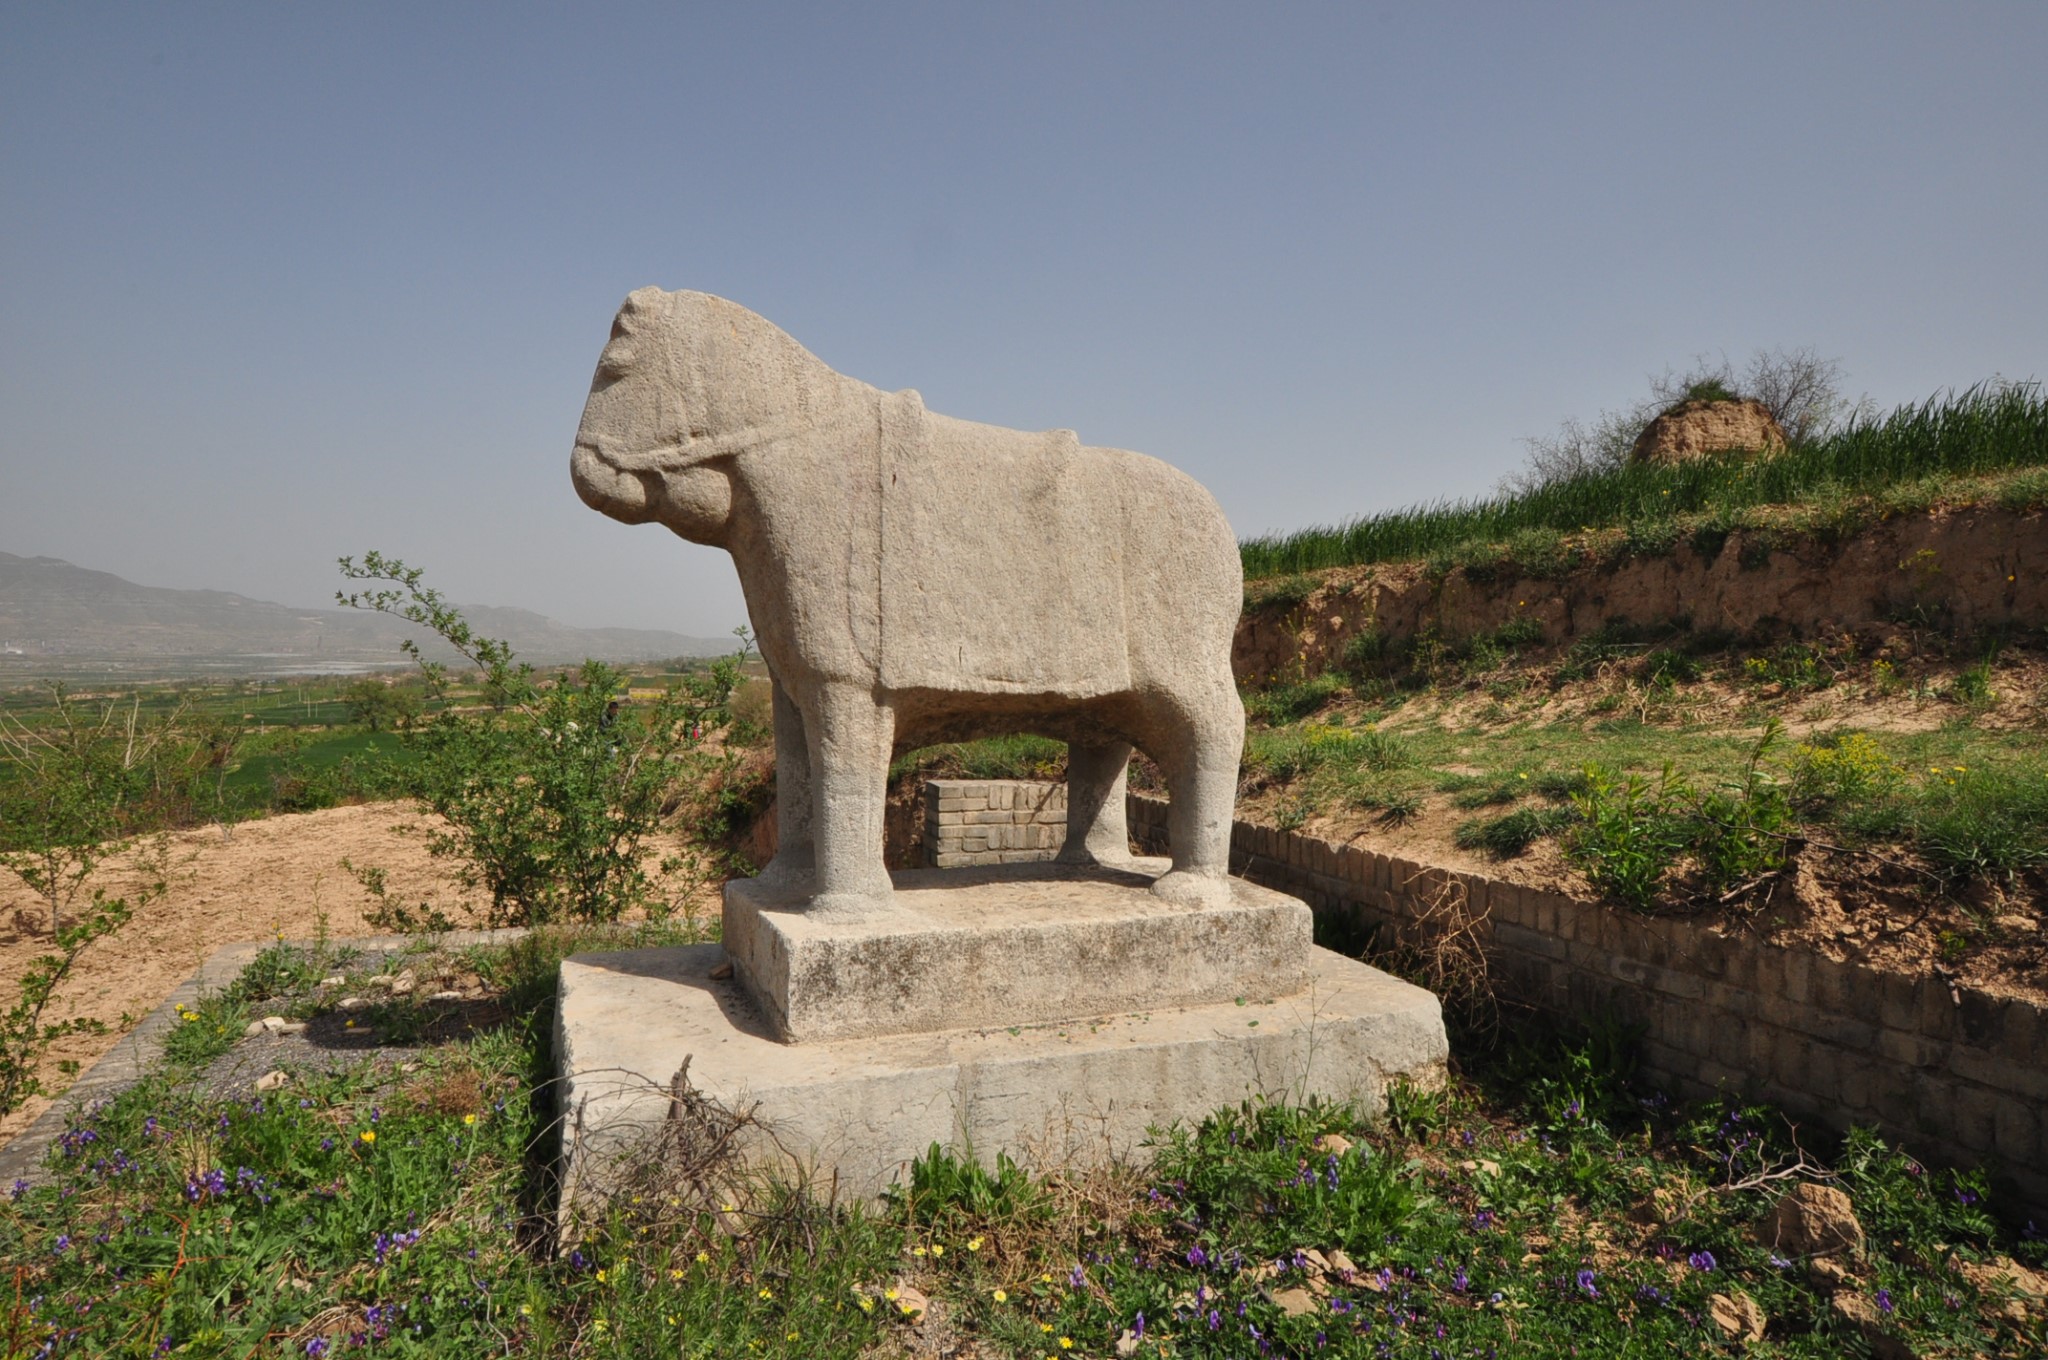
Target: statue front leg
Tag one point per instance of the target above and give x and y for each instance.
(850, 737)
(792, 869)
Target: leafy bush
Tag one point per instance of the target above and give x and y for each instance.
(946, 1186)
(1627, 839)
(1738, 830)
(549, 801)
(1840, 769)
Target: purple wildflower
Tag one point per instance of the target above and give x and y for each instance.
(1884, 1300)
(1586, 1285)
(1702, 1261)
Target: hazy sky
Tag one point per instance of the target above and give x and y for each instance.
(282, 282)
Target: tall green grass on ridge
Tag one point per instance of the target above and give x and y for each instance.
(1989, 428)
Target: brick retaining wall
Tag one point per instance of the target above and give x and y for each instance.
(992, 821)
(1956, 1074)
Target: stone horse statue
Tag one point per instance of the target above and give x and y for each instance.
(914, 579)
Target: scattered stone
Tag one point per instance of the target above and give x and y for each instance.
(252, 1029)
(1859, 1312)
(1333, 1142)
(1340, 1263)
(1662, 1205)
(1127, 1345)
(1812, 1220)
(911, 1301)
(273, 1023)
(722, 971)
(335, 981)
(404, 983)
(292, 1027)
(446, 997)
(1485, 1166)
(1295, 1302)
(1316, 1259)
(1827, 1274)
(408, 1067)
(1739, 1316)
(379, 983)
(2000, 1276)
(273, 1079)
(352, 1003)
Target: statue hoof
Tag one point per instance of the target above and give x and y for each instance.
(843, 906)
(785, 877)
(1186, 888)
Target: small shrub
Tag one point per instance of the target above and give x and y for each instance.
(1664, 667)
(1627, 839)
(1972, 686)
(945, 1185)
(1843, 768)
(1739, 829)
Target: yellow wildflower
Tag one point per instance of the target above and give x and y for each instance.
(600, 1276)
(702, 1257)
(1000, 1296)
(767, 1293)
(469, 1119)
(938, 1249)
(974, 1244)
(368, 1135)
(675, 1273)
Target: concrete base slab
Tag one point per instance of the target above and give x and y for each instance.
(1019, 944)
(859, 1110)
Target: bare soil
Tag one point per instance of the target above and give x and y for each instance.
(278, 877)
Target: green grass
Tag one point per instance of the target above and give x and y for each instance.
(1967, 801)
(1986, 429)
(1548, 1203)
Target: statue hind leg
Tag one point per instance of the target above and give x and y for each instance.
(1199, 755)
(1096, 829)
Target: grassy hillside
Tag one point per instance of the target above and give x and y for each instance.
(1989, 429)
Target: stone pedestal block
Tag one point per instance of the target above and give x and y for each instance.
(1017, 944)
(855, 1111)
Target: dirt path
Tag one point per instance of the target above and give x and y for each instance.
(277, 876)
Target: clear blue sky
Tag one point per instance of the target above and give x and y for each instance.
(282, 282)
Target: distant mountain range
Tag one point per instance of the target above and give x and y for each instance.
(52, 610)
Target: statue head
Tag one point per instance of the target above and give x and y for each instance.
(688, 384)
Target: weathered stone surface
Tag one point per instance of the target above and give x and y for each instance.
(870, 536)
(1049, 1095)
(1812, 1220)
(1013, 945)
(1693, 430)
